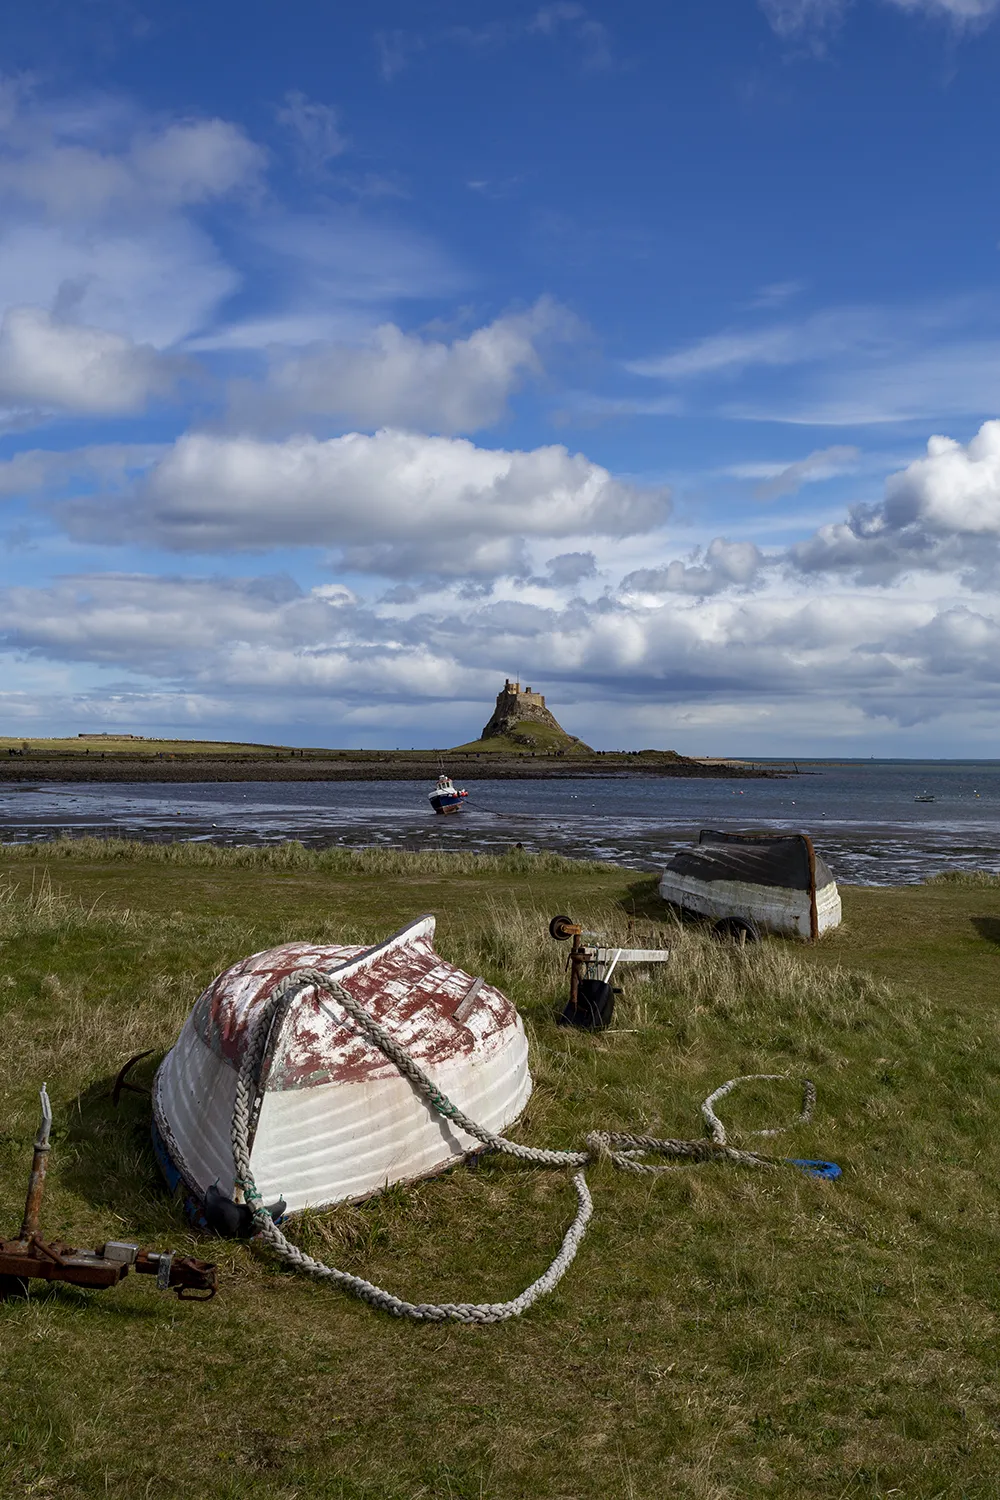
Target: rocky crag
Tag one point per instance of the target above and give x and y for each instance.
(521, 718)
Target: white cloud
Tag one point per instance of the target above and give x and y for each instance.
(854, 365)
(792, 18)
(393, 503)
(153, 286)
(886, 655)
(947, 380)
(69, 367)
(329, 276)
(776, 293)
(818, 337)
(52, 160)
(720, 566)
(810, 19)
(955, 10)
(941, 513)
(822, 463)
(570, 569)
(408, 380)
(51, 470)
(93, 215)
(316, 130)
(557, 21)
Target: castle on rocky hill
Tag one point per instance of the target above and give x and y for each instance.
(517, 709)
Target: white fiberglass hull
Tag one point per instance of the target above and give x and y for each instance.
(336, 1141)
(337, 1120)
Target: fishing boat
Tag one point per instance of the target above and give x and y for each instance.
(774, 881)
(335, 1119)
(924, 797)
(446, 798)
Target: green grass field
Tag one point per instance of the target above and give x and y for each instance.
(115, 745)
(724, 1332)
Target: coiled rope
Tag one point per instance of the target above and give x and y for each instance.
(623, 1151)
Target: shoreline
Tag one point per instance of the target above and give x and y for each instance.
(284, 767)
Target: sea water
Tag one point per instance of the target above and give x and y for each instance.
(862, 814)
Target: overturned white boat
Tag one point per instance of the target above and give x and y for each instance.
(773, 880)
(335, 1119)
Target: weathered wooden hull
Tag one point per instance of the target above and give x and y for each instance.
(773, 878)
(337, 1121)
(772, 907)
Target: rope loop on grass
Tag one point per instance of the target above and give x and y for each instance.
(624, 1152)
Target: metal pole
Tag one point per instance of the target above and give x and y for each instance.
(577, 964)
(36, 1182)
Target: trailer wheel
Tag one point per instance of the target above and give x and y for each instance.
(735, 930)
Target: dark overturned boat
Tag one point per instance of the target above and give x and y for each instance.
(769, 880)
(446, 798)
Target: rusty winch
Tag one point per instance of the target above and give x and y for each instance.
(30, 1258)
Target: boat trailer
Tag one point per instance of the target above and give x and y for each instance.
(31, 1258)
(591, 1001)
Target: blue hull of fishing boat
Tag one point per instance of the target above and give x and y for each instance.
(451, 802)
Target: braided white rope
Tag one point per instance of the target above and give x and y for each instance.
(718, 1130)
(623, 1151)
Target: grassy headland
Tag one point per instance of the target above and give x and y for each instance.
(723, 1333)
(195, 760)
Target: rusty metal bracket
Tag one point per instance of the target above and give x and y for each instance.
(31, 1258)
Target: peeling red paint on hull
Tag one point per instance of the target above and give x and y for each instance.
(337, 1121)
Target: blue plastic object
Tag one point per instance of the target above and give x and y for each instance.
(828, 1169)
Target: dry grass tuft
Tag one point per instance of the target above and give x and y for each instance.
(984, 879)
(295, 856)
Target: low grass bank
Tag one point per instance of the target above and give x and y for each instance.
(723, 1333)
(293, 855)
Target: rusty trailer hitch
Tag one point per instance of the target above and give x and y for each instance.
(591, 1002)
(31, 1258)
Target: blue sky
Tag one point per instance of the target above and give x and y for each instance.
(355, 357)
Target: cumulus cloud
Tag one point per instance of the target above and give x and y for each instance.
(223, 635)
(722, 565)
(408, 380)
(571, 568)
(52, 470)
(940, 513)
(53, 365)
(391, 503)
(74, 164)
(266, 641)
